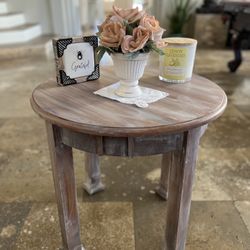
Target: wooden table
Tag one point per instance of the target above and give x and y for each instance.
(76, 118)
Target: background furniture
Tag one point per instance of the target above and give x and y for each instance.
(75, 117)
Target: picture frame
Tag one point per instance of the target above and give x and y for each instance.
(75, 59)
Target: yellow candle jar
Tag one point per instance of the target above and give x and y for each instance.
(177, 64)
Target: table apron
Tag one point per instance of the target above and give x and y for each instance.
(122, 146)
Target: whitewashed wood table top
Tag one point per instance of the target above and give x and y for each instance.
(188, 105)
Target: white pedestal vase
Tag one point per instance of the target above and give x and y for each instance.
(129, 70)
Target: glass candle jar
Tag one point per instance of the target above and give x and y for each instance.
(177, 64)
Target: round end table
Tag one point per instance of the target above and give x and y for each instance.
(77, 118)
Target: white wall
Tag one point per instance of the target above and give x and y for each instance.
(84, 12)
(39, 11)
(66, 17)
(93, 11)
(36, 11)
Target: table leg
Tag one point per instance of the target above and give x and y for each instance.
(65, 188)
(180, 188)
(93, 183)
(162, 189)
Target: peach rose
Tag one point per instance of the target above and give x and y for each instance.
(157, 36)
(110, 18)
(161, 44)
(137, 41)
(112, 34)
(126, 43)
(107, 20)
(131, 15)
(150, 23)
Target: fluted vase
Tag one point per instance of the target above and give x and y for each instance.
(129, 70)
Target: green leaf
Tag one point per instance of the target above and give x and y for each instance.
(129, 29)
(133, 55)
(109, 50)
(157, 50)
(151, 46)
(100, 51)
(187, 4)
(181, 14)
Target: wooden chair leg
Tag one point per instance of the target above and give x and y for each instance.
(180, 188)
(93, 183)
(162, 189)
(65, 188)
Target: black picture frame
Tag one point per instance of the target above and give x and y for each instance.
(59, 47)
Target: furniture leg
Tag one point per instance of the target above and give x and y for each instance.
(93, 183)
(65, 188)
(182, 166)
(162, 189)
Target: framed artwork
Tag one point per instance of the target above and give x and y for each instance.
(76, 59)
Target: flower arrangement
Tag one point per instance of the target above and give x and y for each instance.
(129, 31)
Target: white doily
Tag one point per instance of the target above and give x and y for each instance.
(148, 95)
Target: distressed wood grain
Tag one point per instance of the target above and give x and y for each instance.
(93, 182)
(65, 189)
(121, 146)
(75, 107)
(162, 189)
(180, 180)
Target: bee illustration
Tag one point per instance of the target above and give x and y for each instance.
(79, 55)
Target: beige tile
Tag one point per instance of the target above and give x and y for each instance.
(108, 226)
(28, 176)
(127, 179)
(227, 132)
(233, 112)
(222, 174)
(212, 226)
(104, 226)
(12, 217)
(244, 210)
(17, 80)
(25, 169)
(244, 109)
(216, 225)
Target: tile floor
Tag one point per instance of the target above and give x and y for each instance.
(128, 215)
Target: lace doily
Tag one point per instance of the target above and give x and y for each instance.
(148, 95)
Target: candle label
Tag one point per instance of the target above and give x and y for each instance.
(174, 64)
